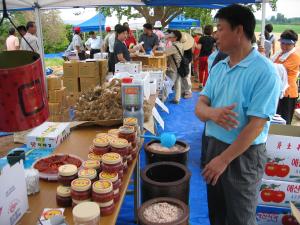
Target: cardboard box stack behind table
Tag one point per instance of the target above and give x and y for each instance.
(57, 99)
(281, 180)
(71, 77)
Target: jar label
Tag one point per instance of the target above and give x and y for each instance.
(108, 176)
(91, 164)
(52, 212)
(87, 172)
(102, 184)
(93, 156)
(111, 156)
(130, 121)
(81, 182)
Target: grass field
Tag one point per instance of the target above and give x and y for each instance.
(279, 28)
(54, 62)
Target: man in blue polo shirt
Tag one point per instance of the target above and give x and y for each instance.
(237, 103)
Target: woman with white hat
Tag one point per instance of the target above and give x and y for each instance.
(160, 35)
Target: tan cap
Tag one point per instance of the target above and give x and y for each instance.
(86, 211)
(114, 132)
(119, 143)
(100, 142)
(81, 184)
(113, 177)
(126, 129)
(91, 164)
(67, 170)
(111, 158)
(102, 186)
(87, 173)
(63, 191)
(93, 156)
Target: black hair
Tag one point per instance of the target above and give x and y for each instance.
(253, 39)
(91, 33)
(120, 29)
(269, 28)
(238, 15)
(125, 24)
(12, 31)
(289, 34)
(177, 34)
(117, 26)
(30, 24)
(148, 26)
(267, 35)
(21, 28)
(208, 29)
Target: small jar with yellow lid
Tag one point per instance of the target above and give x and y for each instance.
(102, 191)
(89, 174)
(67, 173)
(81, 190)
(128, 133)
(114, 132)
(131, 121)
(100, 145)
(86, 213)
(111, 162)
(63, 196)
(92, 164)
(112, 177)
(119, 146)
(93, 156)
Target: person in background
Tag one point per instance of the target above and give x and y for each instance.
(111, 44)
(22, 30)
(94, 44)
(267, 45)
(31, 38)
(130, 41)
(121, 52)
(77, 43)
(12, 42)
(150, 39)
(109, 32)
(168, 41)
(186, 83)
(290, 59)
(205, 45)
(196, 53)
(161, 36)
(173, 62)
(237, 104)
(269, 29)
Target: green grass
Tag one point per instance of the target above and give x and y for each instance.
(279, 28)
(54, 62)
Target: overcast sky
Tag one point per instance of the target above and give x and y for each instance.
(290, 8)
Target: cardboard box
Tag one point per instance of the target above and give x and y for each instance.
(89, 69)
(48, 135)
(55, 108)
(54, 82)
(103, 67)
(133, 67)
(269, 215)
(57, 96)
(72, 99)
(13, 194)
(88, 83)
(71, 69)
(71, 84)
(279, 193)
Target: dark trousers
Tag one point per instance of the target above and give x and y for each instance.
(93, 51)
(111, 62)
(286, 108)
(81, 55)
(233, 200)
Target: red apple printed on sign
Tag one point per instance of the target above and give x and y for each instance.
(274, 168)
(269, 194)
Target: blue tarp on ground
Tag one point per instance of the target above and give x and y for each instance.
(182, 23)
(93, 23)
(183, 122)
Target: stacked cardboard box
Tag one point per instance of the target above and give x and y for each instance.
(57, 99)
(158, 62)
(71, 77)
(281, 183)
(92, 73)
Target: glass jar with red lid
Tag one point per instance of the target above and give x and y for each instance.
(66, 174)
(112, 162)
(128, 133)
(89, 174)
(81, 190)
(63, 196)
(102, 191)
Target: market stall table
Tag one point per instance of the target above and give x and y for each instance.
(77, 143)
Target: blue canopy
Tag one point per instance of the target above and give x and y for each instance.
(182, 23)
(92, 24)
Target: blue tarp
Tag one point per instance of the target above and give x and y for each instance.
(92, 24)
(182, 23)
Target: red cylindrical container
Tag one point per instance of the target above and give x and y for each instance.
(23, 97)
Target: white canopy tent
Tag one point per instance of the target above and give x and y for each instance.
(37, 5)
